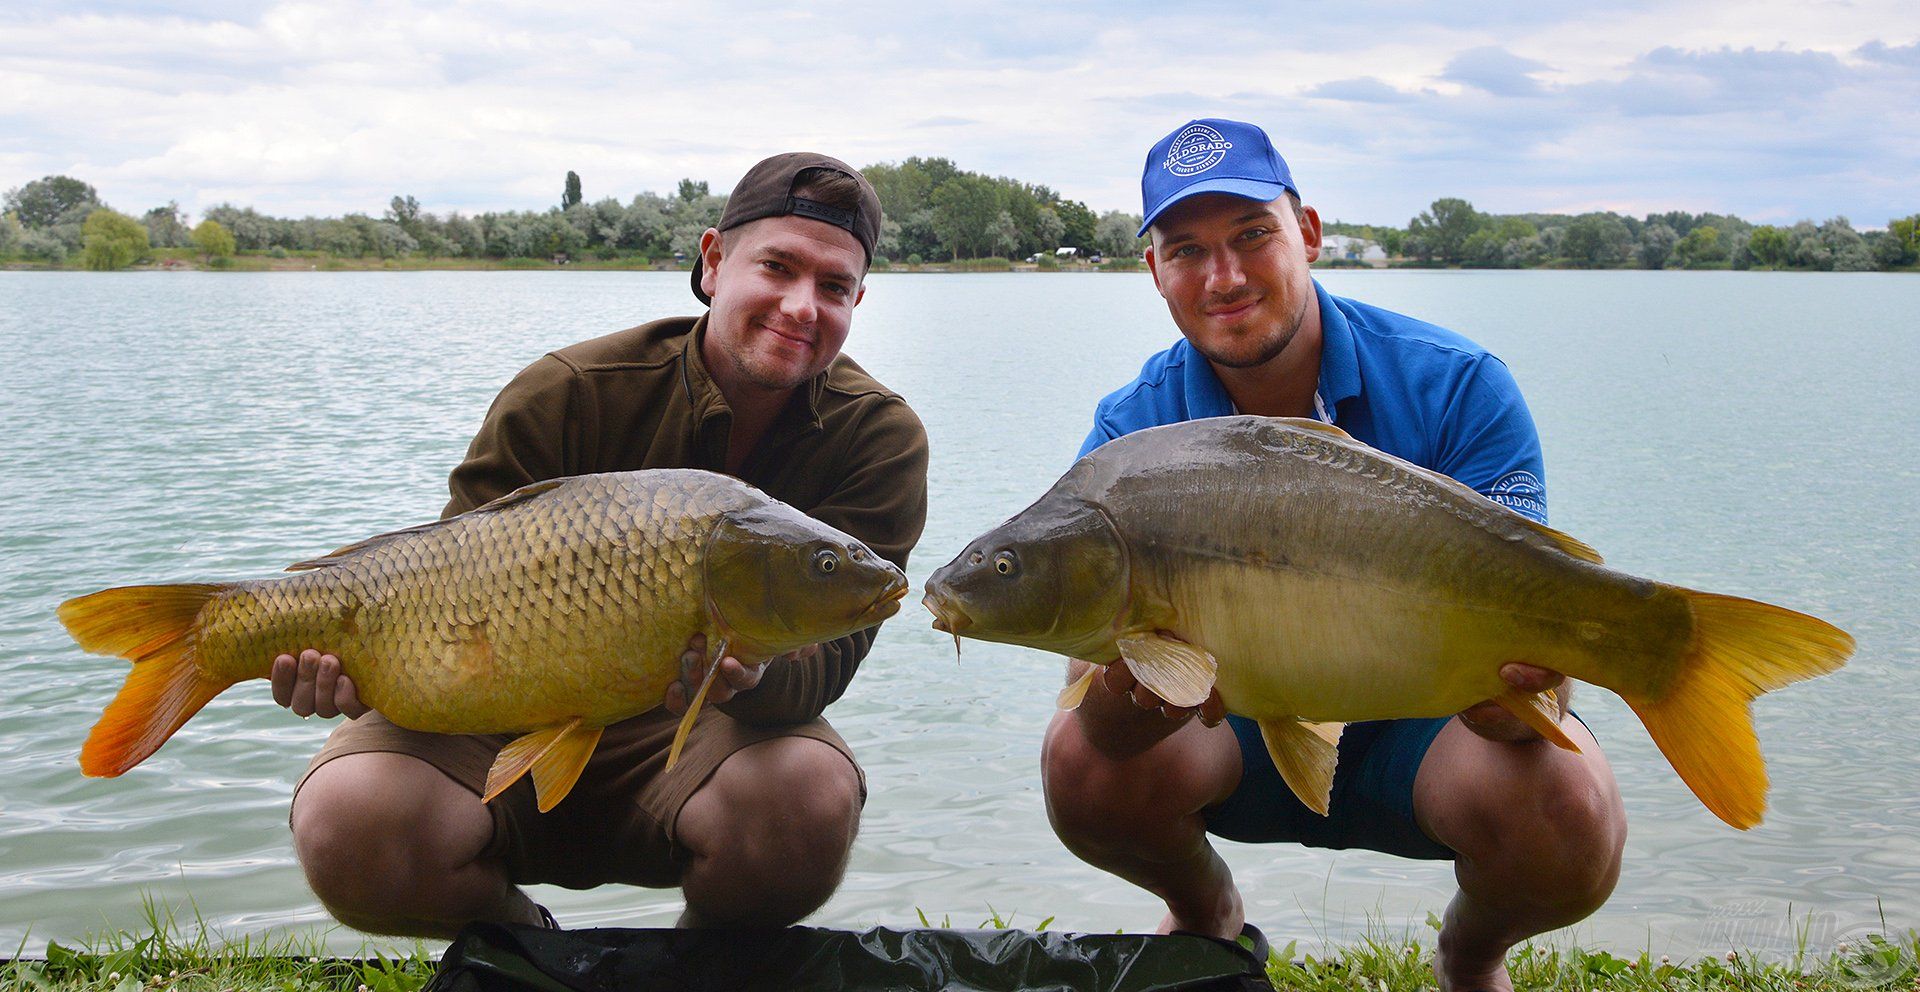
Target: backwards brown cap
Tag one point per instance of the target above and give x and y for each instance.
(767, 191)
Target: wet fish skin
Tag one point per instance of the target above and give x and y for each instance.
(565, 603)
(1317, 581)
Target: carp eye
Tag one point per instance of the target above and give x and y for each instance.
(826, 561)
(1005, 564)
(976, 558)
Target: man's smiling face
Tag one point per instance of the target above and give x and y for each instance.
(783, 290)
(1234, 273)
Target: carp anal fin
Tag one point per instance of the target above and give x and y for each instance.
(556, 756)
(693, 708)
(1539, 711)
(1074, 693)
(1178, 672)
(335, 556)
(1305, 753)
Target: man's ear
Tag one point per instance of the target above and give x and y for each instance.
(1153, 268)
(710, 251)
(1310, 232)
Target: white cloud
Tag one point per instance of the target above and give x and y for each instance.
(1776, 111)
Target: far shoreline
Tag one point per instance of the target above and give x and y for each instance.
(255, 262)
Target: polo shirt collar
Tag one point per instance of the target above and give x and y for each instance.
(1339, 358)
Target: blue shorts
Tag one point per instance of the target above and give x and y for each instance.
(1372, 805)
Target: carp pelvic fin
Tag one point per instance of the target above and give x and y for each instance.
(1075, 693)
(1703, 718)
(1178, 672)
(156, 628)
(1539, 711)
(693, 708)
(1305, 753)
(555, 756)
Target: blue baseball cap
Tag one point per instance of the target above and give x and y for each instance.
(1212, 156)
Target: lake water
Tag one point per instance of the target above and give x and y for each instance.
(1744, 433)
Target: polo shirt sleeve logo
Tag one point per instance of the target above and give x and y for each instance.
(1196, 149)
(1521, 492)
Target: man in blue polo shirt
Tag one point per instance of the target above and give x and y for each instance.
(1134, 785)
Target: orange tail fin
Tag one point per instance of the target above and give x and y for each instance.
(155, 627)
(1703, 723)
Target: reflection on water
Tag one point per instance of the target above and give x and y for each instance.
(1749, 434)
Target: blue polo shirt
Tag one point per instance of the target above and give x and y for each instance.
(1405, 386)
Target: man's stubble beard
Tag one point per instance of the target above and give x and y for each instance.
(1277, 344)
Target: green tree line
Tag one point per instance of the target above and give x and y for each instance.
(1452, 233)
(935, 212)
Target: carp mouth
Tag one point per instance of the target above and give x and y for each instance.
(947, 617)
(888, 602)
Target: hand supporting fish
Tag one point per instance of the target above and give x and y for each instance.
(314, 685)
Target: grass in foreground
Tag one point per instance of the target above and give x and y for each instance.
(169, 959)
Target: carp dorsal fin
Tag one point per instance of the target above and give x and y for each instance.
(335, 556)
(338, 555)
(1178, 672)
(1074, 694)
(1540, 711)
(1309, 424)
(555, 755)
(520, 495)
(1564, 541)
(1305, 753)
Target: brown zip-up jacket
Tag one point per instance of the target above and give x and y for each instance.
(847, 451)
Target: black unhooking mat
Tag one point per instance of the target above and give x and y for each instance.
(489, 957)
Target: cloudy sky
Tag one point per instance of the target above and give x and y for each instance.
(1773, 110)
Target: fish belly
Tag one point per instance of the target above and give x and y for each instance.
(1325, 648)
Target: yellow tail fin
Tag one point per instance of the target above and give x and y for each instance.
(1703, 723)
(155, 628)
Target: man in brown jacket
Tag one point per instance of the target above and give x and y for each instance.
(756, 821)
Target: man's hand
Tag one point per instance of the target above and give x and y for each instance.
(314, 684)
(1492, 721)
(735, 676)
(1122, 717)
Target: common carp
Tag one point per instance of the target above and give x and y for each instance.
(1317, 582)
(552, 612)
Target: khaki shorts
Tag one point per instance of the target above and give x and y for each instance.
(617, 824)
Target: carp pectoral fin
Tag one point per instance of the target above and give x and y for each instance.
(1178, 672)
(1540, 711)
(1305, 753)
(555, 755)
(1071, 696)
(693, 708)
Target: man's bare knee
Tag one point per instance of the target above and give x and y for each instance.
(770, 833)
(367, 827)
